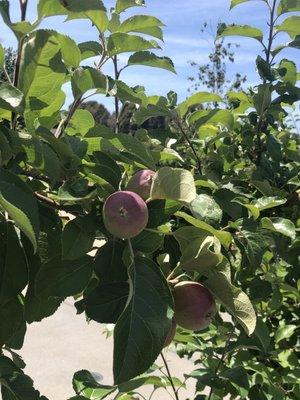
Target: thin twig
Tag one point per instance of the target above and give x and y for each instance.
(23, 8)
(169, 375)
(271, 31)
(268, 50)
(221, 359)
(48, 201)
(65, 122)
(117, 108)
(197, 159)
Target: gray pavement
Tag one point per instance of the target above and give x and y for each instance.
(64, 343)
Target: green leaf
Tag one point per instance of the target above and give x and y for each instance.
(265, 203)
(13, 314)
(43, 69)
(148, 242)
(6, 152)
(252, 245)
(41, 156)
(240, 101)
(197, 99)
(126, 93)
(235, 3)
(20, 29)
(151, 60)
(87, 78)
(295, 43)
(286, 6)
(240, 30)
(288, 71)
(15, 384)
(78, 238)
(114, 22)
(201, 254)
(152, 110)
(237, 377)
(125, 143)
(174, 184)
(274, 148)
(90, 49)
(212, 117)
(122, 5)
(224, 237)
(142, 24)
(290, 25)
(234, 299)
(160, 211)
(48, 116)
(17, 199)
(13, 265)
(262, 333)
(105, 167)
(63, 279)
(85, 384)
(141, 381)
(205, 208)
(81, 122)
(106, 302)
(284, 332)
(49, 243)
(109, 266)
(93, 10)
(279, 225)
(123, 43)
(10, 97)
(254, 211)
(262, 99)
(145, 322)
(2, 56)
(264, 69)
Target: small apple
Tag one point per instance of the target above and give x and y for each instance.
(194, 306)
(141, 182)
(125, 214)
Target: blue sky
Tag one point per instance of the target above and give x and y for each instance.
(183, 40)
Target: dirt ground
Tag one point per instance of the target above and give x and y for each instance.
(64, 343)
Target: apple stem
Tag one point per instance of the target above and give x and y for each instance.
(173, 273)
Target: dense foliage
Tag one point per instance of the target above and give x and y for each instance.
(223, 208)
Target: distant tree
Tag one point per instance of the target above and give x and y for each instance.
(10, 56)
(125, 119)
(99, 112)
(213, 74)
(128, 126)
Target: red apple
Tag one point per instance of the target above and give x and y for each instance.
(141, 183)
(194, 306)
(125, 214)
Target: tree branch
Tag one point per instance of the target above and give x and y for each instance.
(169, 376)
(221, 360)
(117, 108)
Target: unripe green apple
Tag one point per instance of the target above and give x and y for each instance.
(194, 306)
(171, 334)
(141, 182)
(125, 214)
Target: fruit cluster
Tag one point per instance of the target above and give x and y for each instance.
(125, 216)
